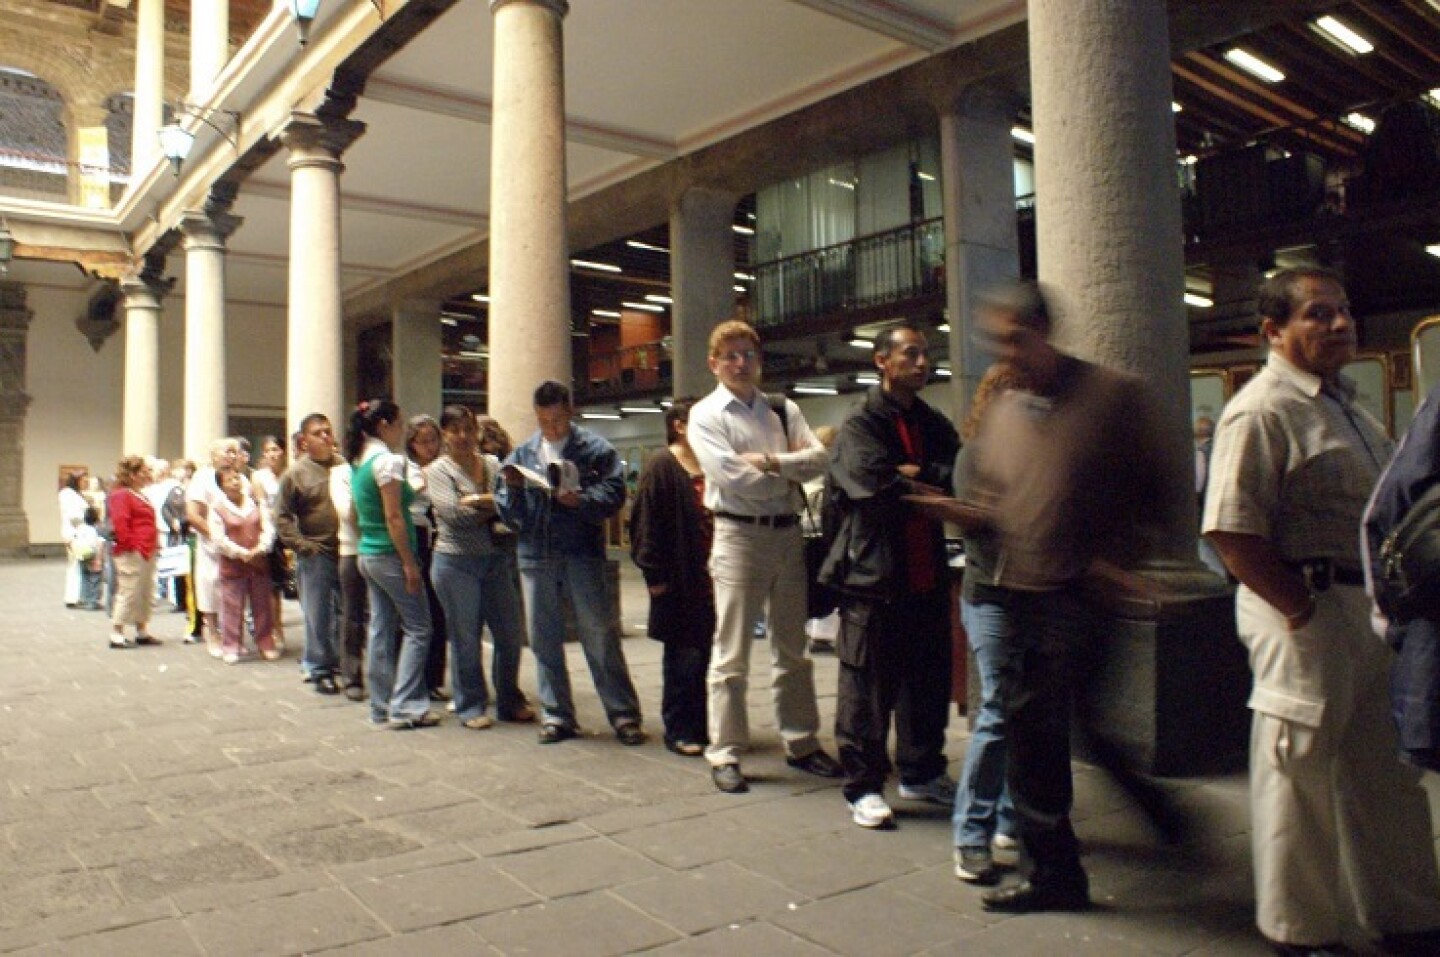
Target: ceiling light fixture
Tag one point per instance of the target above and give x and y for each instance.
(304, 12)
(642, 409)
(1253, 65)
(867, 378)
(1359, 121)
(1342, 36)
(745, 276)
(1432, 250)
(1198, 301)
(862, 344)
(942, 372)
(739, 288)
(804, 389)
(943, 327)
(598, 267)
(480, 297)
(1023, 135)
(1176, 107)
(646, 306)
(927, 177)
(637, 244)
(662, 300)
(609, 416)
(743, 230)
(176, 140)
(605, 313)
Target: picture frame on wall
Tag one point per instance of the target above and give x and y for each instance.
(1401, 378)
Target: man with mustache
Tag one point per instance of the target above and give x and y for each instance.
(1334, 812)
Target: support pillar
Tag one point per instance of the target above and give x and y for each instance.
(143, 292)
(702, 280)
(209, 45)
(977, 167)
(149, 100)
(415, 343)
(206, 403)
(530, 320)
(314, 378)
(88, 153)
(1172, 690)
(14, 402)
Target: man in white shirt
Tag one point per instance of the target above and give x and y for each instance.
(752, 458)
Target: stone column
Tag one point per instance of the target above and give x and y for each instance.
(143, 293)
(149, 100)
(209, 44)
(415, 342)
(529, 250)
(88, 149)
(977, 177)
(14, 401)
(206, 415)
(702, 280)
(1108, 215)
(314, 378)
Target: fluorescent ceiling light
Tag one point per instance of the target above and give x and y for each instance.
(612, 416)
(1176, 107)
(867, 378)
(739, 288)
(743, 230)
(745, 276)
(605, 313)
(943, 327)
(843, 184)
(598, 267)
(804, 389)
(642, 409)
(862, 344)
(662, 300)
(447, 321)
(942, 372)
(471, 354)
(1190, 160)
(1023, 135)
(1343, 36)
(1253, 65)
(1359, 121)
(480, 297)
(1198, 301)
(646, 306)
(927, 177)
(1433, 97)
(667, 403)
(1434, 250)
(637, 244)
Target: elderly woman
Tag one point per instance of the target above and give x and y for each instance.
(266, 480)
(422, 447)
(472, 576)
(201, 496)
(133, 520)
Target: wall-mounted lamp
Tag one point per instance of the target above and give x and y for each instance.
(175, 140)
(305, 11)
(7, 247)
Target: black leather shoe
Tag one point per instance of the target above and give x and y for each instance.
(355, 693)
(324, 684)
(1026, 898)
(727, 777)
(553, 733)
(630, 734)
(818, 763)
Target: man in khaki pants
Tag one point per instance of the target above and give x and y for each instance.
(1334, 812)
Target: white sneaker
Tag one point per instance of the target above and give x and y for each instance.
(938, 790)
(1006, 851)
(870, 810)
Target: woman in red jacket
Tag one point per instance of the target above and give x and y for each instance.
(133, 519)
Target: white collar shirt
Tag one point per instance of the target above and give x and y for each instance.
(722, 427)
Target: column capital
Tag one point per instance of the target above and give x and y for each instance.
(318, 140)
(557, 7)
(207, 230)
(143, 290)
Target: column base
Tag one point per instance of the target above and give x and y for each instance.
(14, 531)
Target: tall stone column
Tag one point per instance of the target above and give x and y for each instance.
(209, 44)
(977, 178)
(14, 402)
(88, 152)
(1108, 216)
(702, 280)
(415, 342)
(206, 415)
(149, 100)
(143, 293)
(529, 249)
(314, 378)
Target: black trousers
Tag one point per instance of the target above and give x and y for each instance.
(683, 701)
(894, 660)
(435, 662)
(354, 621)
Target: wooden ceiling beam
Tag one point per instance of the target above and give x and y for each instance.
(1277, 121)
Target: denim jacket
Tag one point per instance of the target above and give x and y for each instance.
(546, 529)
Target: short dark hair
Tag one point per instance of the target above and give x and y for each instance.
(886, 340)
(1027, 301)
(310, 420)
(550, 393)
(1276, 297)
(679, 411)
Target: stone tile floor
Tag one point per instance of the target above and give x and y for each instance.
(156, 802)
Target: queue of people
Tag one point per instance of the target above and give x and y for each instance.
(1052, 489)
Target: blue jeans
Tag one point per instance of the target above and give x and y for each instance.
(982, 799)
(319, 581)
(544, 581)
(395, 666)
(476, 590)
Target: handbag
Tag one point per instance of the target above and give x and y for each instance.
(173, 560)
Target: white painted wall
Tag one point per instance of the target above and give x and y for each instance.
(75, 413)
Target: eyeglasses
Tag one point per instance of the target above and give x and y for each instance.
(732, 357)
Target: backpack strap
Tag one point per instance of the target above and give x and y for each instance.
(777, 402)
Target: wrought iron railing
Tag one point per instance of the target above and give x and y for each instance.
(869, 271)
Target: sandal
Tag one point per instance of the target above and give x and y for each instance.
(478, 723)
(146, 640)
(119, 641)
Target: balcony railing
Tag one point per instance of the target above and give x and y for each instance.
(873, 270)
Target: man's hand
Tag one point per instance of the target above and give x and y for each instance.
(910, 470)
(757, 460)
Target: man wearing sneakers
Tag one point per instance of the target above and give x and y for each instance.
(888, 562)
(752, 458)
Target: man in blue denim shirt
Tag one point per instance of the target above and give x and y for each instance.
(562, 550)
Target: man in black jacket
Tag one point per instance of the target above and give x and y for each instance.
(888, 561)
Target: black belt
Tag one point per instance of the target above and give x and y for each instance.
(1321, 573)
(770, 521)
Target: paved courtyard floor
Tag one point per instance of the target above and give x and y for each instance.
(156, 803)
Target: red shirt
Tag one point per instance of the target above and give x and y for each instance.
(134, 522)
